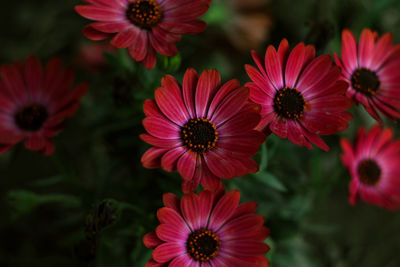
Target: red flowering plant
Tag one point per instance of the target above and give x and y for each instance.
(202, 129)
(143, 26)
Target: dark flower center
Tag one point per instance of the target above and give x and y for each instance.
(144, 13)
(199, 135)
(365, 81)
(203, 245)
(31, 117)
(369, 172)
(289, 103)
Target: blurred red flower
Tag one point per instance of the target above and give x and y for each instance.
(90, 56)
(373, 161)
(35, 102)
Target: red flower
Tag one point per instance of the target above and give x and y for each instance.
(208, 229)
(373, 163)
(372, 69)
(34, 103)
(203, 129)
(300, 96)
(143, 26)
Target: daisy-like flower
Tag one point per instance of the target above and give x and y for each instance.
(203, 129)
(373, 162)
(34, 103)
(143, 26)
(372, 69)
(208, 229)
(301, 96)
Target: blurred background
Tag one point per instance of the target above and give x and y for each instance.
(91, 202)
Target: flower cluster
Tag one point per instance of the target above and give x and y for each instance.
(208, 130)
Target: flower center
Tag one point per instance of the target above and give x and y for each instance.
(365, 81)
(144, 13)
(289, 103)
(199, 135)
(31, 117)
(369, 172)
(203, 245)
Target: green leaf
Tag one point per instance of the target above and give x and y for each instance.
(23, 201)
(270, 180)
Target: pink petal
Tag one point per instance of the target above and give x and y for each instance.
(33, 75)
(349, 51)
(190, 27)
(239, 124)
(125, 38)
(294, 65)
(169, 100)
(150, 108)
(314, 72)
(171, 217)
(189, 86)
(35, 142)
(224, 209)
(149, 62)
(366, 48)
(161, 128)
(260, 80)
(274, 68)
(100, 13)
(171, 201)
(278, 127)
(164, 143)
(139, 49)
(167, 251)
(187, 165)
(168, 233)
(111, 26)
(208, 83)
(218, 165)
(230, 106)
(221, 95)
(151, 240)
(152, 157)
(94, 34)
(169, 160)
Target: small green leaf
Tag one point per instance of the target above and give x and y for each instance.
(23, 201)
(271, 181)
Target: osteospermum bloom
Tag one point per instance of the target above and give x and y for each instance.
(208, 229)
(35, 102)
(143, 26)
(373, 162)
(372, 69)
(203, 129)
(301, 96)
